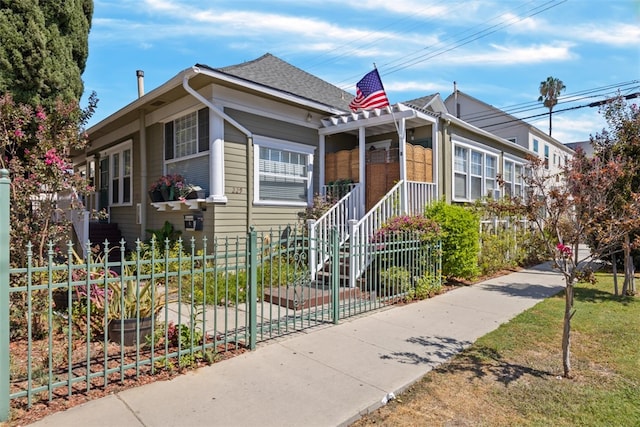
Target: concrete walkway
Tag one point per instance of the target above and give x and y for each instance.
(327, 376)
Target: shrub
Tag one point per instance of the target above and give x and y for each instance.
(460, 239)
(424, 228)
(395, 281)
(427, 286)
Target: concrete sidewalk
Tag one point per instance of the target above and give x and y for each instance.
(327, 376)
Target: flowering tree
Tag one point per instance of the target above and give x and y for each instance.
(35, 145)
(567, 211)
(622, 140)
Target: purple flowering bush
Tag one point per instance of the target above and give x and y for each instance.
(419, 226)
(35, 147)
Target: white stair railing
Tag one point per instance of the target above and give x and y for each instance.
(338, 217)
(419, 195)
(79, 217)
(361, 232)
(408, 198)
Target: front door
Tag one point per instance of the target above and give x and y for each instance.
(103, 201)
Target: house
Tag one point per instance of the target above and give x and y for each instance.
(246, 134)
(262, 137)
(473, 111)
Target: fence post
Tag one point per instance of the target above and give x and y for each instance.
(4, 294)
(313, 257)
(252, 295)
(335, 275)
(354, 245)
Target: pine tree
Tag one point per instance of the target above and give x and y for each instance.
(44, 49)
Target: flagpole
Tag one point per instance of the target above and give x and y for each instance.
(390, 106)
(402, 146)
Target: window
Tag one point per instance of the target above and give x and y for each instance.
(535, 146)
(546, 157)
(474, 173)
(513, 174)
(186, 147)
(283, 172)
(116, 173)
(490, 177)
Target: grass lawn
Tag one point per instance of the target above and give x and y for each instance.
(512, 376)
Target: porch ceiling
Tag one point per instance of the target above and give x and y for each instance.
(377, 121)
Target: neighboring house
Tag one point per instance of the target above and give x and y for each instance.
(518, 132)
(586, 146)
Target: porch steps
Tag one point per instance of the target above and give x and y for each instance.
(323, 277)
(305, 297)
(99, 232)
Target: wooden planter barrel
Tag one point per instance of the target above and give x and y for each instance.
(123, 331)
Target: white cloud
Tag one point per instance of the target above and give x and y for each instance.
(572, 127)
(614, 34)
(514, 55)
(406, 86)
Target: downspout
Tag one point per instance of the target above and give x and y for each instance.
(143, 172)
(218, 148)
(143, 157)
(208, 103)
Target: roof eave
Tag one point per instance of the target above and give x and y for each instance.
(267, 90)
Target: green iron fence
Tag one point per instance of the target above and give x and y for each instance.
(75, 324)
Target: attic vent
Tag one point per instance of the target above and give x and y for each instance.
(157, 103)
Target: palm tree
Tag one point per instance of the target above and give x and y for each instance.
(550, 90)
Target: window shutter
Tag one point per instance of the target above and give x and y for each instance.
(203, 130)
(168, 141)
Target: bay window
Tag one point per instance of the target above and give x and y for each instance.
(474, 173)
(513, 173)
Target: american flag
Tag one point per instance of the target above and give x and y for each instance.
(369, 93)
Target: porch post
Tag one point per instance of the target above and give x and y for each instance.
(362, 168)
(5, 225)
(321, 164)
(216, 158)
(435, 161)
(402, 142)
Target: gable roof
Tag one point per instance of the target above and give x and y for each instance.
(274, 73)
(432, 103)
(530, 128)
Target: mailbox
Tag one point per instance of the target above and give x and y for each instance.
(193, 222)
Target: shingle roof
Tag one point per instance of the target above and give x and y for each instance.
(275, 73)
(419, 102)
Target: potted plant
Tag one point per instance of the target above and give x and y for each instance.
(133, 304)
(169, 187)
(101, 216)
(191, 191)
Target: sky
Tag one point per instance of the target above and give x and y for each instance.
(497, 51)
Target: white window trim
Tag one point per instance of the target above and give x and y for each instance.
(120, 148)
(279, 144)
(480, 149)
(516, 161)
(173, 118)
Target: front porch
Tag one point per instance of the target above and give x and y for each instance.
(392, 176)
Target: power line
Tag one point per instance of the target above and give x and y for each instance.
(607, 91)
(593, 104)
(404, 63)
(469, 39)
